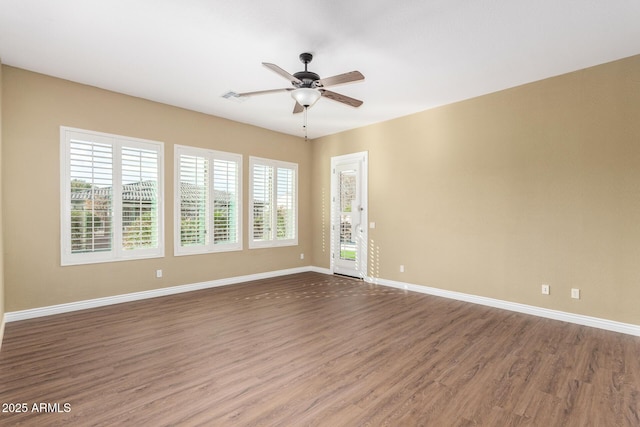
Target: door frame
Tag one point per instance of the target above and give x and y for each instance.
(363, 240)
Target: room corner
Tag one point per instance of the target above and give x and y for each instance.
(1, 222)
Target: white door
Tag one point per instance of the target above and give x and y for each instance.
(349, 214)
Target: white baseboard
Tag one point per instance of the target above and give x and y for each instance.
(610, 325)
(3, 321)
(595, 322)
(135, 296)
(320, 270)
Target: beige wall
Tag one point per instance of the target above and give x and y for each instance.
(497, 195)
(34, 108)
(1, 224)
(492, 196)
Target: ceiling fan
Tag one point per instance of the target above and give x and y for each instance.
(308, 87)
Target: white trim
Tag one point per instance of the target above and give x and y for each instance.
(32, 313)
(3, 321)
(211, 156)
(117, 143)
(320, 270)
(361, 158)
(579, 319)
(594, 322)
(273, 241)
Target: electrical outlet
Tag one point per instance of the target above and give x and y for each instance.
(301, 256)
(575, 293)
(546, 290)
(402, 269)
(158, 274)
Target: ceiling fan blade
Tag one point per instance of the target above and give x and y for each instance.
(264, 92)
(341, 98)
(352, 76)
(283, 73)
(298, 108)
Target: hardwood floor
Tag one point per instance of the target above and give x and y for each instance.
(312, 349)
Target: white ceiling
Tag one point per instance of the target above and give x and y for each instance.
(415, 54)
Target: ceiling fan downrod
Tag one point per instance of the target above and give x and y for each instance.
(306, 58)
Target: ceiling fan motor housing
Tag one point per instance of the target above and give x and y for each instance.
(308, 78)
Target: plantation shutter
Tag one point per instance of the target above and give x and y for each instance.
(262, 186)
(225, 205)
(209, 204)
(274, 201)
(91, 185)
(140, 225)
(286, 225)
(111, 199)
(194, 195)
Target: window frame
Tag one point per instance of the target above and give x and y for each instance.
(211, 246)
(117, 251)
(273, 241)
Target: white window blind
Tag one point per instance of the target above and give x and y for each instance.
(225, 202)
(91, 188)
(208, 206)
(273, 198)
(194, 195)
(140, 227)
(111, 205)
(286, 214)
(262, 199)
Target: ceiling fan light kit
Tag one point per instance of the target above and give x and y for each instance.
(306, 96)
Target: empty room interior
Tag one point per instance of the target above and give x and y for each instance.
(330, 214)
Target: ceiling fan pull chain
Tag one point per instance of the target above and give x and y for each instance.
(304, 124)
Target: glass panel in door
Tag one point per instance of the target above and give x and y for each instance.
(347, 227)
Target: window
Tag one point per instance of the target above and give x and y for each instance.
(112, 194)
(274, 203)
(208, 201)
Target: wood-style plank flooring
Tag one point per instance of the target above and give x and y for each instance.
(316, 350)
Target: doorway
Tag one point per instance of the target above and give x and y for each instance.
(349, 214)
